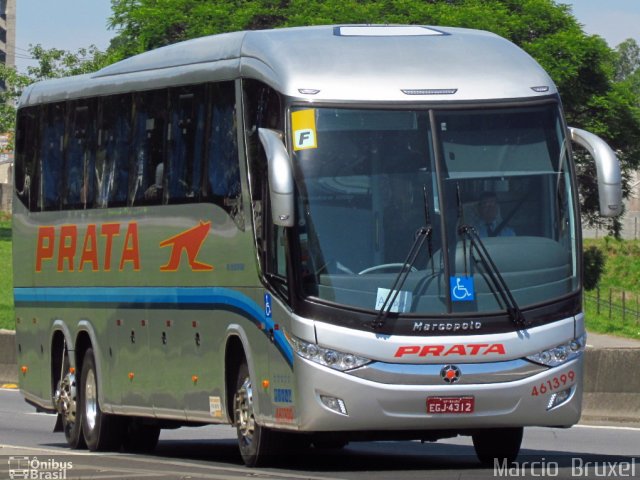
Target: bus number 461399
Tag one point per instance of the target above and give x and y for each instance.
(553, 383)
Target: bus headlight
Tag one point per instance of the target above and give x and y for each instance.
(562, 353)
(326, 356)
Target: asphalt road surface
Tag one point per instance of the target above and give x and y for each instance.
(29, 449)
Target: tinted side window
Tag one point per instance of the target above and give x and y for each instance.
(263, 110)
(79, 155)
(186, 143)
(223, 167)
(51, 155)
(112, 154)
(149, 127)
(27, 170)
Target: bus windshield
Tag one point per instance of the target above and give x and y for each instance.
(368, 180)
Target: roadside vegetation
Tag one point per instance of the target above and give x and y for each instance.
(612, 305)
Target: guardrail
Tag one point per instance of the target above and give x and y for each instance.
(616, 304)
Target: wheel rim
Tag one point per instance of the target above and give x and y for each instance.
(244, 412)
(90, 400)
(65, 398)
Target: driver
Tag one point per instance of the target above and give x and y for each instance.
(490, 222)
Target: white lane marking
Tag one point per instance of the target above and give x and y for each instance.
(61, 451)
(608, 427)
(136, 475)
(9, 390)
(216, 472)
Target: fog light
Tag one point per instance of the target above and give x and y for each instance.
(558, 398)
(333, 403)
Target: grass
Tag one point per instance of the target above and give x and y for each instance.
(621, 274)
(622, 269)
(7, 317)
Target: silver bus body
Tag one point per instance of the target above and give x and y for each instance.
(171, 296)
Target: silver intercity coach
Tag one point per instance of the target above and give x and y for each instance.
(316, 234)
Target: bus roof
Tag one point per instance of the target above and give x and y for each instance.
(353, 63)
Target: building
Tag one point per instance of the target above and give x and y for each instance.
(7, 57)
(8, 32)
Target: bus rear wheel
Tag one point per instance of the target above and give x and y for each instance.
(497, 444)
(256, 443)
(101, 431)
(66, 399)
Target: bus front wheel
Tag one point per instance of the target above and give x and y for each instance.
(497, 444)
(255, 442)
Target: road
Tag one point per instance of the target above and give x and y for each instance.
(585, 451)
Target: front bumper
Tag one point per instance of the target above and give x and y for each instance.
(373, 406)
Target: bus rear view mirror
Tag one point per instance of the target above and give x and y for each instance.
(280, 177)
(608, 168)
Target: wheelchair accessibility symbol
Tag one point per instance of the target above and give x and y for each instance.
(461, 289)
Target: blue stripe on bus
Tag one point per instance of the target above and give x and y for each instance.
(216, 297)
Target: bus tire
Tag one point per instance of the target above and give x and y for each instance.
(256, 443)
(497, 444)
(101, 431)
(72, 428)
(139, 437)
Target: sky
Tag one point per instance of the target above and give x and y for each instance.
(74, 24)
(66, 24)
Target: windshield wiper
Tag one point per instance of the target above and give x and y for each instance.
(499, 284)
(423, 233)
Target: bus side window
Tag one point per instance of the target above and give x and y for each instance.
(112, 155)
(264, 110)
(185, 144)
(223, 167)
(146, 184)
(51, 156)
(79, 155)
(27, 170)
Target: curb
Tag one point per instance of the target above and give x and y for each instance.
(611, 385)
(8, 374)
(8, 367)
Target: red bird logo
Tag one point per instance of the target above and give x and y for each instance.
(189, 241)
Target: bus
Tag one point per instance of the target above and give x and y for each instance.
(317, 235)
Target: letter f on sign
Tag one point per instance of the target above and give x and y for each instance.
(305, 139)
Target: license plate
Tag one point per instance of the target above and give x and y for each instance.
(436, 405)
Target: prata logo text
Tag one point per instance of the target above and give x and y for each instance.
(470, 349)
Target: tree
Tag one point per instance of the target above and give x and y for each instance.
(594, 265)
(52, 63)
(599, 87)
(14, 83)
(628, 61)
(56, 63)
